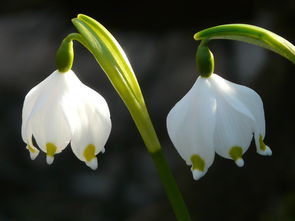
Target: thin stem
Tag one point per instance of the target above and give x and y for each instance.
(252, 35)
(77, 37)
(111, 57)
(150, 138)
(170, 186)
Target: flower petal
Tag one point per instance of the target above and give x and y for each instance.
(190, 125)
(49, 124)
(228, 92)
(91, 124)
(233, 131)
(253, 101)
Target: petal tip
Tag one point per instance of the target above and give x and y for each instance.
(49, 159)
(197, 174)
(266, 152)
(240, 162)
(34, 154)
(92, 163)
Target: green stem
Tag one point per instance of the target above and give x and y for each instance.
(147, 131)
(65, 52)
(111, 57)
(170, 187)
(250, 34)
(77, 37)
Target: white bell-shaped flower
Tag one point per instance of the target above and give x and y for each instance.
(216, 116)
(60, 110)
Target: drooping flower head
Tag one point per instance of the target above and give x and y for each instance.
(62, 110)
(216, 116)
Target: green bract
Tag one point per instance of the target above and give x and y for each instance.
(250, 34)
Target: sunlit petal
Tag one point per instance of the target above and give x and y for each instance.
(190, 126)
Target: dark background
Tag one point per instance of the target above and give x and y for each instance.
(157, 37)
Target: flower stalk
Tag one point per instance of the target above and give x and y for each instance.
(250, 34)
(111, 57)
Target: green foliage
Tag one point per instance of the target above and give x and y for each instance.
(250, 34)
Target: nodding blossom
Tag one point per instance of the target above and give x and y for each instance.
(219, 116)
(62, 110)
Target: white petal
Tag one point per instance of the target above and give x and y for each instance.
(34, 152)
(190, 124)
(91, 123)
(197, 174)
(29, 103)
(50, 126)
(254, 104)
(226, 90)
(240, 162)
(92, 163)
(232, 129)
(48, 121)
(267, 151)
(49, 159)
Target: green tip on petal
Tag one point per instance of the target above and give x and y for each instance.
(197, 163)
(50, 151)
(262, 145)
(263, 148)
(33, 151)
(236, 154)
(89, 152)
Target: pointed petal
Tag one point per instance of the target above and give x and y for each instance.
(190, 125)
(262, 148)
(91, 123)
(253, 102)
(50, 126)
(232, 129)
(34, 152)
(92, 163)
(240, 162)
(49, 123)
(49, 159)
(29, 103)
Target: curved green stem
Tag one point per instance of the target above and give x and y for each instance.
(111, 57)
(65, 52)
(250, 34)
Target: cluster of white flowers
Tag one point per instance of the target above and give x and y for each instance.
(216, 116)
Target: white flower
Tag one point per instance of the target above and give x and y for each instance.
(60, 110)
(216, 116)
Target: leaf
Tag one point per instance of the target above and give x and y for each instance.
(110, 57)
(250, 34)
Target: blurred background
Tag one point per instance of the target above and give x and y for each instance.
(158, 39)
